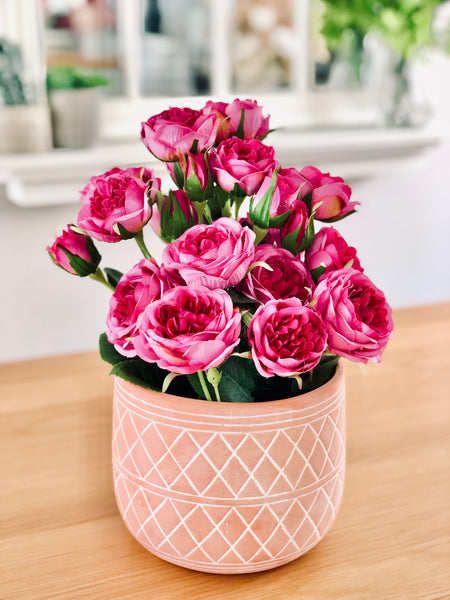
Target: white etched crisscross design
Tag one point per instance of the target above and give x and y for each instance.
(239, 496)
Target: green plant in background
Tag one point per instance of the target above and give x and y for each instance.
(405, 25)
(12, 87)
(66, 78)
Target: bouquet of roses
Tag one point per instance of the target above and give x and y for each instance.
(249, 303)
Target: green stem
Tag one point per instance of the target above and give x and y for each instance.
(140, 242)
(98, 276)
(237, 205)
(216, 391)
(204, 385)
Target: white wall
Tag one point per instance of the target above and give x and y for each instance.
(401, 231)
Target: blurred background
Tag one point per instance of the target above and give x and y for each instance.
(357, 88)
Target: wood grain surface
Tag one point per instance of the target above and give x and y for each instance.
(61, 536)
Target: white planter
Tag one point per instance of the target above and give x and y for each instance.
(75, 117)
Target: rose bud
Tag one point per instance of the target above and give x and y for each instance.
(287, 277)
(330, 199)
(116, 204)
(177, 214)
(143, 284)
(75, 253)
(355, 312)
(242, 163)
(295, 233)
(193, 175)
(177, 131)
(286, 338)
(252, 124)
(215, 256)
(189, 330)
(330, 252)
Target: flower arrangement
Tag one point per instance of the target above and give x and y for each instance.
(249, 303)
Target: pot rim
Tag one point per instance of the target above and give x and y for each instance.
(311, 399)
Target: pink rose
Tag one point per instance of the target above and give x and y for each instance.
(175, 216)
(75, 253)
(229, 115)
(291, 185)
(294, 229)
(330, 198)
(143, 284)
(172, 133)
(355, 312)
(242, 162)
(288, 278)
(189, 330)
(330, 252)
(117, 201)
(215, 256)
(286, 338)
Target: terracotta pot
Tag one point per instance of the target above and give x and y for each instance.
(229, 488)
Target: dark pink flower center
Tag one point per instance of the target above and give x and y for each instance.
(284, 281)
(293, 337)
(109, 195)
(192, 317)
(369, 308)
(199, 244)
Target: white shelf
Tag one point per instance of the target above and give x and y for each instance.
(55, 178)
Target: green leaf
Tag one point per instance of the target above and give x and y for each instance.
(309, 236)
(124, 233)
(260, 214)
(179, 175)
(321, 374)
(107, 351)
(134, 371)
(113, 276)
(317, 272)
(240, 130)
(81, 267)
(238, 382)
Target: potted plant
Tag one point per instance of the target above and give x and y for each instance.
(228, 443)
(75, 101)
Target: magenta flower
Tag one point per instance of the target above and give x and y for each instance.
(242, 162)
(116, 204)
(214, 256)
(189, 330)
(286, 338)
(255, 124)
(174, 132)
(330, 252)
(355, 312)
(193, 166)
(288, 278)
(143, 284)
(75, 253)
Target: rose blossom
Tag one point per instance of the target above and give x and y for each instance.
(118, 197)
(286, 338)
(229, 116)
(143, 284)
(189, 330)
(355, 312)
(330, 198)
(242, 162)
(288, 278)
(77, 248)
(216, 255)
(171, 134)
(331, 251)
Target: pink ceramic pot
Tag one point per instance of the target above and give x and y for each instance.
(229, 488)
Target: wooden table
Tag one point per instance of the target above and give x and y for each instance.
(62, 537)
